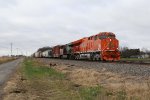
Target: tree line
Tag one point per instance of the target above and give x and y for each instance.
(134, 53)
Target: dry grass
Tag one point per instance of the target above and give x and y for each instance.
(124, 87)
(6, 59)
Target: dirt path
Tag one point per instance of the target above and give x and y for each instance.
(6, 70)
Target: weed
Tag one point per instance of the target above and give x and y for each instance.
(90, 93)
(121, 95)
(109, 93)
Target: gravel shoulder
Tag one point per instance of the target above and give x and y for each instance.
(118, 68)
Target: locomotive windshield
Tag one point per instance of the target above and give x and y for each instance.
(106, 36)
(102, 37)
(111, 36)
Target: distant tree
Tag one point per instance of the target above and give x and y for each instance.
(145, 51)
(127, 53)
(123, 48)
(148, 53)
(123, 51)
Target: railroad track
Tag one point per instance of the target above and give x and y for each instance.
(142, 62)
(135, 62)
(132, 68)
(129, 62)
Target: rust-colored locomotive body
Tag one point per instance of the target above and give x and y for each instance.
(103, 46)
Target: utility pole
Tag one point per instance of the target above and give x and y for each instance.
(11, 45)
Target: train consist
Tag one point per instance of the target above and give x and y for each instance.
(103, 46)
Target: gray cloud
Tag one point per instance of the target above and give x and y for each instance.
(7, 3)
(31, 24)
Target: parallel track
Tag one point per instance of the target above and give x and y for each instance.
(134, 62)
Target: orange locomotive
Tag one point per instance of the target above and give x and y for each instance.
(103, 46)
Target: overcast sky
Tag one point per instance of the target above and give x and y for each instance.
(30, 24)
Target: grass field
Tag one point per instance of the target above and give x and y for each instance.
(53, 85)
(37, 81)
(49, 84)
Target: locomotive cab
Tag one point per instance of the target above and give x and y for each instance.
(109, 47)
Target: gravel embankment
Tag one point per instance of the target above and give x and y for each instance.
(124, 69)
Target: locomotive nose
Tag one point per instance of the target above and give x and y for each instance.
(110, 44)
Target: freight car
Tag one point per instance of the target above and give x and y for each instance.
(47, 53)
(38, 54)
(103, 46)
(56, 51)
